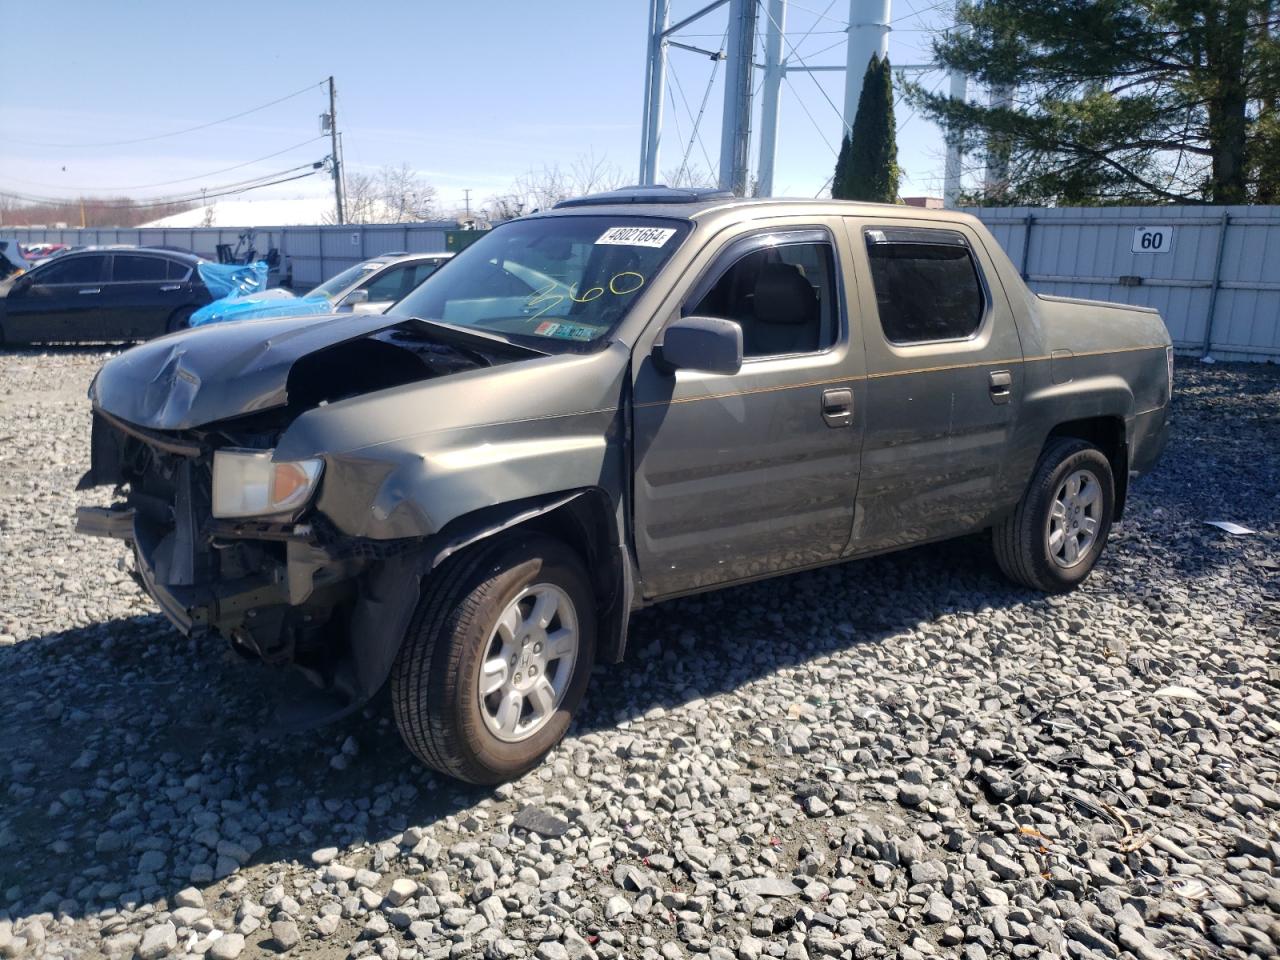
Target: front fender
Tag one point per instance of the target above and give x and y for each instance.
(405, 492)
(391, 590)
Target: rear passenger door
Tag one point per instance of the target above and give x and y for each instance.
(944, 380)
(141, 295)
(756, 473)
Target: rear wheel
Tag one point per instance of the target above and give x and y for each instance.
(496, 659)
(1055, 536)
(180, 320)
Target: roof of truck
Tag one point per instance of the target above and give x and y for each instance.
(681, 204)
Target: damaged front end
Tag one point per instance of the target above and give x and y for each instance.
(281, 588)
(259, 566)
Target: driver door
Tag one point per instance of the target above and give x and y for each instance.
(744, 476)
(60, 301)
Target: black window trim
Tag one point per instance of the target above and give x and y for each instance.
(938, 236)
(759, 239)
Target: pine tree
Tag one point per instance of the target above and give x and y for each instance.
(867, 167)
(1119, 101)
(839, 180)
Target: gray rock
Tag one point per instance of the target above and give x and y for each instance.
(158, 941)
(764, 887)
(285, 935)
(226, 947)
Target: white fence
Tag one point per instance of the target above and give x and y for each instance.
(1212, 272)
(316, 253)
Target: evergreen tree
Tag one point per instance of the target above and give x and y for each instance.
(867, 167)
(1119, 101)
(839, 180)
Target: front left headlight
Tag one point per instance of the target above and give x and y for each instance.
(249, 483)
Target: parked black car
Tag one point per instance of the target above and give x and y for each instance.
(129, 294)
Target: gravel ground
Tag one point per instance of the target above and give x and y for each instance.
(903, 757)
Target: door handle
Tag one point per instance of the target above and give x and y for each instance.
(837, 407)
(92, 290)
(1001, 386)
(171, 286)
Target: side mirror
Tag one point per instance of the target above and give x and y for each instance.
(20, 283)
(354, 297)
(705, 344)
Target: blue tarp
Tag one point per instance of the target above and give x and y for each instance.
(241, 294)
(234, 279)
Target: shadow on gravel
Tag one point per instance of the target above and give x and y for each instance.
(128, 752)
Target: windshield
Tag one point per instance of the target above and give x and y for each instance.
(557, 283)
(335, 285)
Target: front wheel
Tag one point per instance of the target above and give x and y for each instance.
(1055, 536)
(496, 659)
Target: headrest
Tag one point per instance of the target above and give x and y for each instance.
(783, 295)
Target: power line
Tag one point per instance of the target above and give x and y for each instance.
(167, 183)
(224, 190)
(173, 133)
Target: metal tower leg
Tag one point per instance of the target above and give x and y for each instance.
(868, 36)
(770, 94)
(655, 76)
(735, 135)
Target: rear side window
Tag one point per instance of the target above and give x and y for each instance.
(130, 269)
(176, 270)
(925, 291)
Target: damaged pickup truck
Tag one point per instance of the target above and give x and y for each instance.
(631, 397)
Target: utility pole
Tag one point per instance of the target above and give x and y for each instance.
(466, 196)
(333, 147)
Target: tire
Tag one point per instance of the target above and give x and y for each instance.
(1023, 545)
(435, 682)
(179, 320)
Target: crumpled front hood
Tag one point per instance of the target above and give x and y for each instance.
(223, 370)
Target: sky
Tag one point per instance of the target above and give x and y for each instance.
(470, 95)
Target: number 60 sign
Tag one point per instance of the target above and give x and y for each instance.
(1152, 239)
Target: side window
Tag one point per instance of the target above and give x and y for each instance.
(783, 296)
(73, 270)
(424, 270)
(126, 268)
(386, 285)
(925, 291)
(176, 270)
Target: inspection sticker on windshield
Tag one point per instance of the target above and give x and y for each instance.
(564, 331)
(637, 236)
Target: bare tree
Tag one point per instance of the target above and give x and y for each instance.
(544, 187)
(689, 175)
(391, 195)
